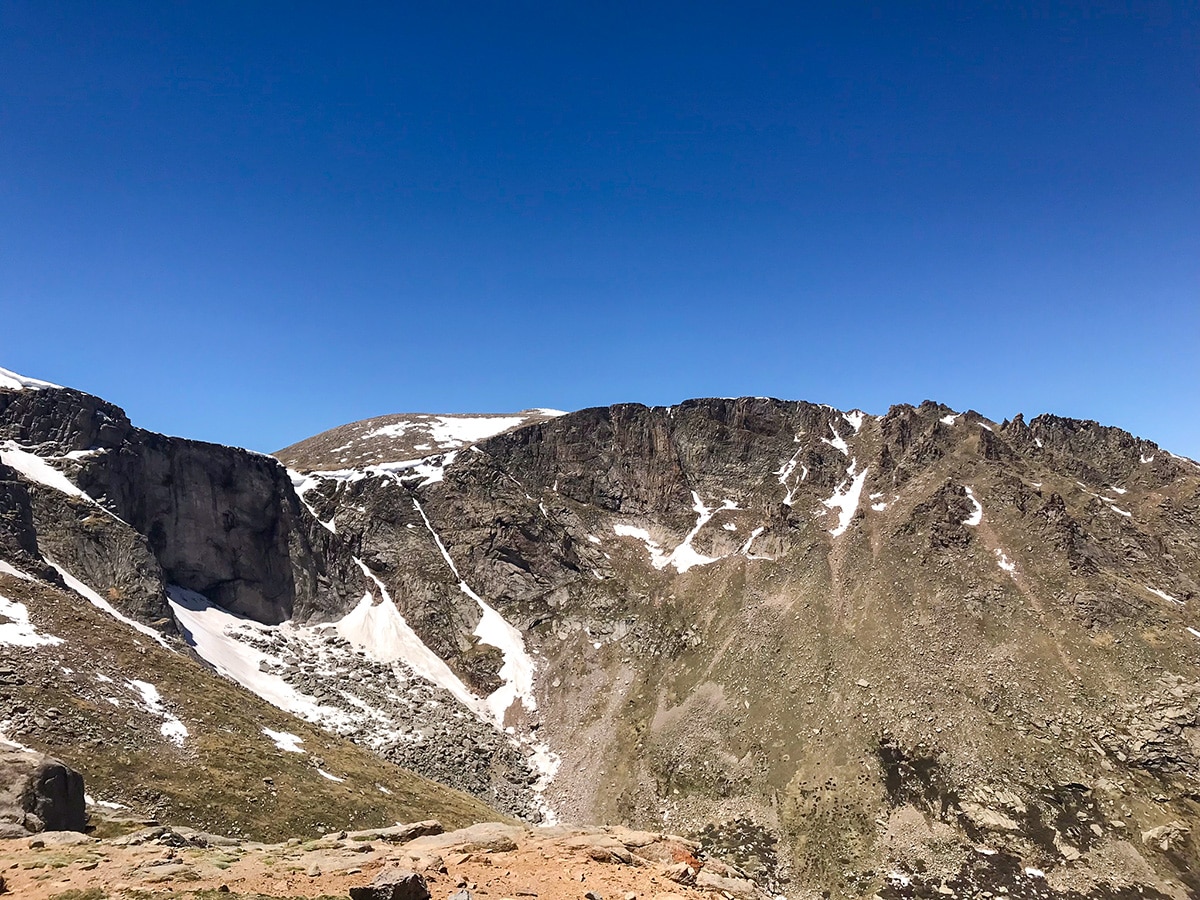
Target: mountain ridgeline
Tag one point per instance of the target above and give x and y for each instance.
(921, 654)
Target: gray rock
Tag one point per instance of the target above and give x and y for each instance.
(736, 887)
(60, 839)
(681, 873)
(393, 884)
(38, 792)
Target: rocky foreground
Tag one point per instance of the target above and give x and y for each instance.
(489, 860)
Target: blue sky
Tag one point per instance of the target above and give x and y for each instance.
(248, 222)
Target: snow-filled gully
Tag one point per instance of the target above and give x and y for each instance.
(517, 671)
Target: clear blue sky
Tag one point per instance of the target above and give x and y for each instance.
(248, 222)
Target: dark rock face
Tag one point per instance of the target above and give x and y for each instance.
(217, 520)
(17, 534)
(62, 420)
(38, 793)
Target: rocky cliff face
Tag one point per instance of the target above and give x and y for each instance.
(878, 640)
(154, 510)
(913, 653)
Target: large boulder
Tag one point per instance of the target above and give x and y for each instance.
(38, 793)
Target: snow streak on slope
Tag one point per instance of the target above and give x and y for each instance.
(977, 515)
(517, 671)
(381, 631)
(100, 603)
(11, 381)
(1164, 595)
(37, 469)
(845, 498)
(684, 556)
(785, 472)
(302, 484)
(9, 569)
(838, 442)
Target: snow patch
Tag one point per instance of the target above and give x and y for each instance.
(1143, 458)
(949, 420)
(658, 558)
(977, 515)
(855, 419)
(325, 774)
(17, 631)
(845, 498)
(103, 804)
(212, 631)
(172, 729)
(1004, 562)
(284, 740)
(451, 432)
(11, 381)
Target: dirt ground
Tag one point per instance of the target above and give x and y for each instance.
(496, 861)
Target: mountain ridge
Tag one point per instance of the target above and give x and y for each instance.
(870, 640)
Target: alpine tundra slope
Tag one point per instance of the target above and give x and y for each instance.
(918, 654)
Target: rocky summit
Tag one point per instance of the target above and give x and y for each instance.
(737, 647)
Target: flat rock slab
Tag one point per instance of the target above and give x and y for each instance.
(59, 839)
(170, 872)
(487, 837)
(398, 834)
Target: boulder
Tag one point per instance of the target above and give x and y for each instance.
(38, 793)
(735, 887)
(393, 884)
